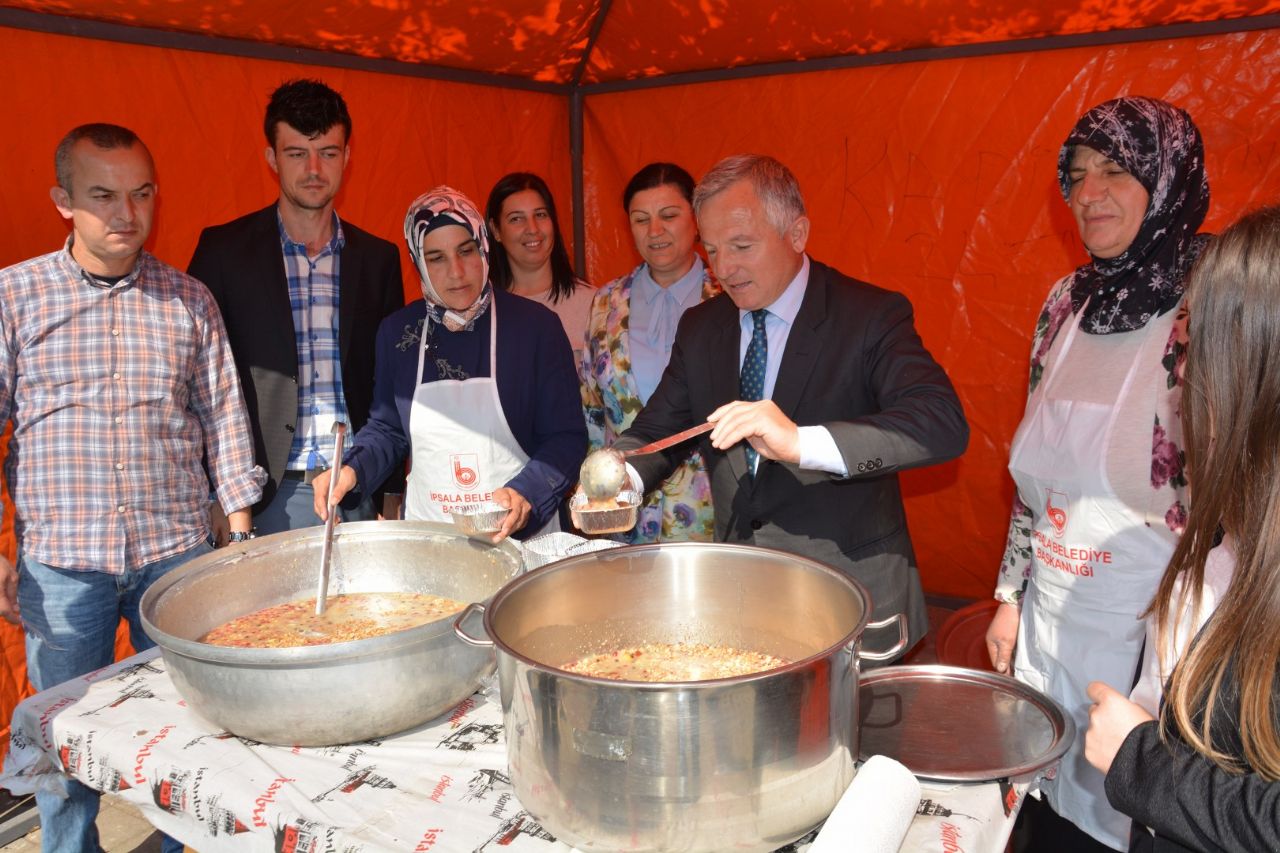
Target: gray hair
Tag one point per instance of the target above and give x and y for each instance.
(777, 188)
(104, 136)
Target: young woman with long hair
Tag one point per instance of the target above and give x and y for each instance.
(1203, 776)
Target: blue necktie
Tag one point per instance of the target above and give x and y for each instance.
(751, 380)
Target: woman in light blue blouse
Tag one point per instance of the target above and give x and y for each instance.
(629, 335)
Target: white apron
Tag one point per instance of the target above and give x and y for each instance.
(462, 446)
(1094, 567)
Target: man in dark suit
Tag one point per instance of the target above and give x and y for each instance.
(302, 294)
(819, 388)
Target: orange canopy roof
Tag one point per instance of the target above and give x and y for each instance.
(545, 40)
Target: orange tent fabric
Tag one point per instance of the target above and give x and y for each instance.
(637, 40)
(544, 40)
(935, 178)
(535, 39)
(201, 115)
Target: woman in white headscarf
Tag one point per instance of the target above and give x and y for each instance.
(478, 385)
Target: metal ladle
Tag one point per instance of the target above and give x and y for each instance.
(604, 472)
(326, 550)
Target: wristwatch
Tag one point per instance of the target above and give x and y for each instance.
(242, 535)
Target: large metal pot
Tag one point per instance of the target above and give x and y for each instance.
(338, 693)
(748, 763)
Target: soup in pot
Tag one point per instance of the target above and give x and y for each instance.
(351, 616)
(672, 662)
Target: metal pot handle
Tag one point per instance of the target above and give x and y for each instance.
(474, 607)
(898, 647)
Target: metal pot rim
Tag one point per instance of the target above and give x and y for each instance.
(848, 641)
(299, 655)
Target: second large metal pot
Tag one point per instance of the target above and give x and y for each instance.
(748, 763)
(337, 693)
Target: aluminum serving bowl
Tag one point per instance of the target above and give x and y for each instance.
(746, 763)
(479, 519)
(617, 519)
(341, 692)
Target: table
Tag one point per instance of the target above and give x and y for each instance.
(125, 730)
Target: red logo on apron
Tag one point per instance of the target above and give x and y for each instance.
(1057, 515)
(464, 469)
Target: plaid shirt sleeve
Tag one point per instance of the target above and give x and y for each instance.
(218, 405)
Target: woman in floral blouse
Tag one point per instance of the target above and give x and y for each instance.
(629, 335)
(1101, 494)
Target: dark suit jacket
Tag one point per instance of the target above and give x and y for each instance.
(854, 364)
(242, 264)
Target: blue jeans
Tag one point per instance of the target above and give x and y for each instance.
(70, 620)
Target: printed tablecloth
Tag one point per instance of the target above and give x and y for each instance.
(125, 730)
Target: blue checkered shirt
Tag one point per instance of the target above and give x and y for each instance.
(313, 296)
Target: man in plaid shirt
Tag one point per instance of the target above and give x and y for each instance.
(116, 374)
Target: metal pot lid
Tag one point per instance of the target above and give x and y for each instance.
(959, 725)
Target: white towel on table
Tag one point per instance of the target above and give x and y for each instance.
(874, 813)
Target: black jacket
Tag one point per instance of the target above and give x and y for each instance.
(242, 264)
(1190, 802)
(854, 364)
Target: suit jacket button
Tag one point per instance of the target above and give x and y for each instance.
(862, 466)
(879, 464)
(756, 524)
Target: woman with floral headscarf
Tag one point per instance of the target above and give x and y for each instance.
(479, 386)
(1101, 492)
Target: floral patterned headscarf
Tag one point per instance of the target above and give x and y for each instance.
(1159, 145)
(446, 206)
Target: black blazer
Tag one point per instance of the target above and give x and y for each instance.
(854, 364)
(1189, 802)
(242, 264)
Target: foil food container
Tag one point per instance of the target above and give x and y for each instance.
(479, 519)
(606, 519)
